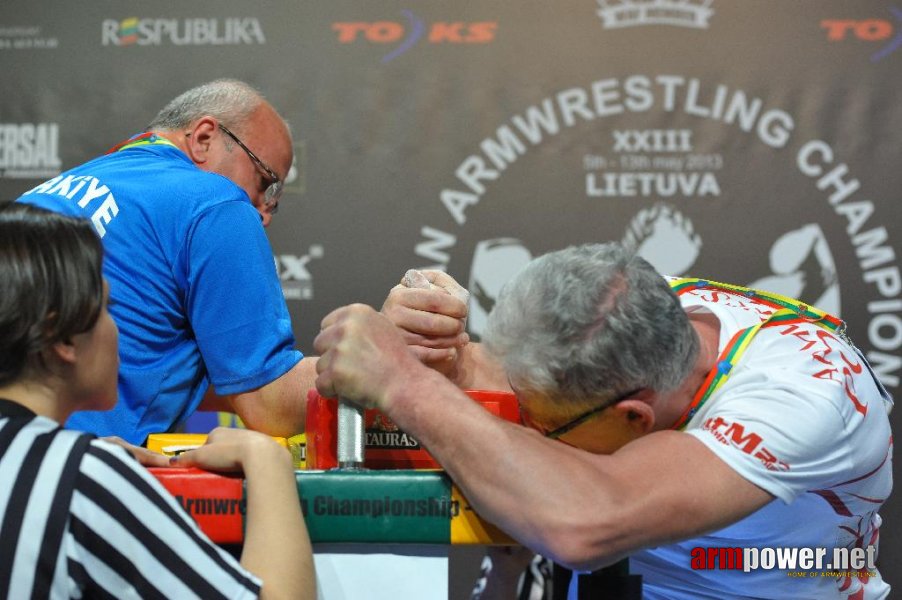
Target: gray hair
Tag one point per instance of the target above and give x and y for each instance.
(229, 100)
(591, 322)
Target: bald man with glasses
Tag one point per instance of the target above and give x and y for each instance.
(181, 209)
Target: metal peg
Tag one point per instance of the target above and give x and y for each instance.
(351, 435)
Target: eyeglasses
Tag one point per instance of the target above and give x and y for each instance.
(574, 423)
(274, 190)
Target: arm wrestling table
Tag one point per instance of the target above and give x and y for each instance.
(381, 532)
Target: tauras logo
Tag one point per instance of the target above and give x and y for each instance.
(29, 150)
(383, 433)
(390, 440)
(182, 32)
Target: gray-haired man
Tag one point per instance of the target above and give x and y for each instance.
(696, 417)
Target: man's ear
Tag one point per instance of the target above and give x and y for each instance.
(199, 139)
(636, 414)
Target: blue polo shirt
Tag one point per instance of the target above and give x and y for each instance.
(193, 284)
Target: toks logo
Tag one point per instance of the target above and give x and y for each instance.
(867, 30)
(392, 32)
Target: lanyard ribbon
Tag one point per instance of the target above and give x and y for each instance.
(145, 139)
(788, 311)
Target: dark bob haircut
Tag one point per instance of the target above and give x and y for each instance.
(51, 286)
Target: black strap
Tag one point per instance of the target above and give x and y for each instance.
(609, 583)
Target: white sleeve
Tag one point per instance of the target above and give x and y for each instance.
(789, 418)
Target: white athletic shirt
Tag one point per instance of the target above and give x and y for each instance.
(801, 417)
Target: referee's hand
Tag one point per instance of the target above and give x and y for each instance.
(231, 450)
(146, 457)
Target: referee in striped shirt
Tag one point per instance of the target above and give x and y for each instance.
(79, 516)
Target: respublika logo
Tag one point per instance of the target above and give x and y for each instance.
(228, 31)
(872, 30)
(405, 35)
(29, 150)
(616, 14)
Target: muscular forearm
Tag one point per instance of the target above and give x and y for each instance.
(550, 497)
(584, 510)
(580, 509)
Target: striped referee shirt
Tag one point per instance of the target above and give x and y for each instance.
(80, 518)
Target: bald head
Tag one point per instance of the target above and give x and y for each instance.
(230, 101)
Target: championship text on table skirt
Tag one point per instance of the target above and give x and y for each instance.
(384, 507)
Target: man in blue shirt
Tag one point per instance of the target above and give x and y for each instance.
(181, 210)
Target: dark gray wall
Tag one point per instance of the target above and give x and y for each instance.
(749, 142)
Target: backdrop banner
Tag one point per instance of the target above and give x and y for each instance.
(755, 143)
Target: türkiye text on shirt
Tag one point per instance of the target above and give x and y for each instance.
(83, 190)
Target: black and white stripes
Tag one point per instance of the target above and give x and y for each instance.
(80, 518)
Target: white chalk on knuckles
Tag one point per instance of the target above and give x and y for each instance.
(414, 278)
